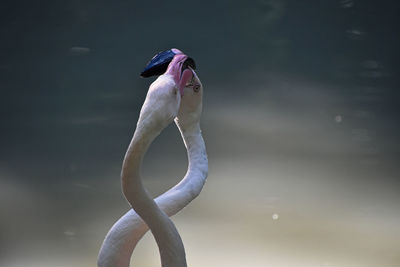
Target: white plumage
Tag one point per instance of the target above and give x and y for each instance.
(164, 102)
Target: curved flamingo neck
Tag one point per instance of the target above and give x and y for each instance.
(123, 237)
(164, 231)
(198, 163)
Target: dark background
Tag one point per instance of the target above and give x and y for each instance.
(300, 119)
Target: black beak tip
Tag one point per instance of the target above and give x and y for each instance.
(189, 62)
(159, 63)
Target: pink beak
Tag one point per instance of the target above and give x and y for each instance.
(180, 74)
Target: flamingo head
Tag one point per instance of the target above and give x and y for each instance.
(165, 98)
(171, 62)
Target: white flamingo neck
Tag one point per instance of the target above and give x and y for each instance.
(196, 150)
(197, 172)
(166, 235)
(123, 237)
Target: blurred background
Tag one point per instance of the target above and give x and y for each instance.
(300, 120)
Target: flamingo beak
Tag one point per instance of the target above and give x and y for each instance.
(181, 69)
(158, 65)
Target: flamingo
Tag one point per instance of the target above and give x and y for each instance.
(175, 95)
